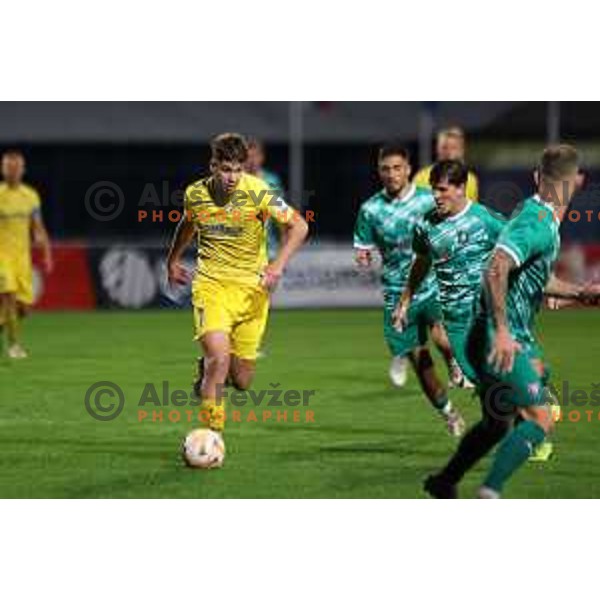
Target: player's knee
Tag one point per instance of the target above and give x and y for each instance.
(421, 359)
(542, 415)
(438, 335)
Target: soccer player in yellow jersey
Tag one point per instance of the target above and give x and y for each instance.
(20, 221)
(227, 212)
(450, 146)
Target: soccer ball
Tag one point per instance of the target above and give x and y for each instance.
(203, 449)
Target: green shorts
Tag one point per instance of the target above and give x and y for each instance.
(523, 386)
(421, 316)
(458, 335)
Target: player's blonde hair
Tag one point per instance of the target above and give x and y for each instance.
(451, 132)
(558, 161)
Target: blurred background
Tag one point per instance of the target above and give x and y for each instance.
(111, 176)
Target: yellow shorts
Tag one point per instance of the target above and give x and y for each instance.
(16, 278)
(238, 310)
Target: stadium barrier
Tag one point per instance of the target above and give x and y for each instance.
(134, 277)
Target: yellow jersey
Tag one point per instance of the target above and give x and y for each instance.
(17, 206)
(231, 238)
(421, 179)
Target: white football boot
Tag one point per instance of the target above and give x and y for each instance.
(17, 352)
(399, 371)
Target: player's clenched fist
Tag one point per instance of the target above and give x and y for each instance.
(271, 276)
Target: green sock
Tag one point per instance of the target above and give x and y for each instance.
(513, 452)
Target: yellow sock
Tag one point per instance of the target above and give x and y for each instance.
(216, 413)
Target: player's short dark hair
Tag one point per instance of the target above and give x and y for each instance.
(453, 171)
(13, 153)
(393, 149)
(229, 146)
(557, 162)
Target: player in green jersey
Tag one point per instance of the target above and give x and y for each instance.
(501, 347)
(255, 165)
(455, 240)
(386, 223)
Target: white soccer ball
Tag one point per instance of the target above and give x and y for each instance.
(204, 449)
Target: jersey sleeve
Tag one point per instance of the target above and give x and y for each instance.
(274, 181)
(525, 236)
(192, 201)
(36, 204)
(363, 230)
(494, 221)
(277, 208)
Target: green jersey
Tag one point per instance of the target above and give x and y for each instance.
(388, 225)
(273, 228)
(533, 242)
(459, 247)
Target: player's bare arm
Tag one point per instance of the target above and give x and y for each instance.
(176, 272)
(496, 286)
(295, 233)
(564, 290)
(42, 239)
(418, 271)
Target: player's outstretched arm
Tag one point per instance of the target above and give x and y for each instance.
(176, 272)
(296, 230)
(567, 294)
(42, 239)
(495, 283)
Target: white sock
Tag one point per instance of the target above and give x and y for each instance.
(446, 409)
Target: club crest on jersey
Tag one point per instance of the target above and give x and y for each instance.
(534, 390)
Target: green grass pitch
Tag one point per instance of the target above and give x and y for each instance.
(368, 440)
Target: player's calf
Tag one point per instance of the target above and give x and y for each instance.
(435, 390)
(241, 372)
(216, 349)
(517, 447)
(8, 308)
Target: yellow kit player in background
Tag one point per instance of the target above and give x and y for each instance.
(227, 212)
(450, 145)
(20, 220)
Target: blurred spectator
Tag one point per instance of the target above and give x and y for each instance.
(450, 145)
(583, 178)
(255, 166)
